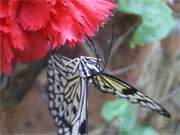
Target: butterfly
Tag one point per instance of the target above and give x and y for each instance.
(68, 87)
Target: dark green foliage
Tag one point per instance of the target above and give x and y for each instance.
(156, 19)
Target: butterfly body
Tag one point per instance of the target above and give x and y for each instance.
(85, 66)
(68, 82)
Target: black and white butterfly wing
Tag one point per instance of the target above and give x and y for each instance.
(110, 84)
(67, 97)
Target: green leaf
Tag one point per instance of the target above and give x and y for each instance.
(140, 131)
(149, 131)
(145, 131)
(156, 19)
(121, 110)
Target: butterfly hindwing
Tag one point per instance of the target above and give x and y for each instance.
(67, 97)
(110, 84)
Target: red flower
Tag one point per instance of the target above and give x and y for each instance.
(28, 28)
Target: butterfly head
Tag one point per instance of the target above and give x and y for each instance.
(86, 66)
(89, 66)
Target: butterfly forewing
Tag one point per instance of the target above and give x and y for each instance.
(67, 97)
(110, 84)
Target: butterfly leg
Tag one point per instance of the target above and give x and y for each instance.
(91, 58)
(77, 63)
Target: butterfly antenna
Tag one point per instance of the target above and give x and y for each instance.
(96, 52)
(109, 48)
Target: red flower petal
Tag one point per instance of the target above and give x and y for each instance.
(53, 37)
(37, 47)
(16, 34)
(53, 2)
(66, 24)
(33, 15)
(75, 19)
(13, 6)
(28, 26)
(6, 53)
(3, 9)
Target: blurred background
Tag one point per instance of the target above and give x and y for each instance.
(145, 53)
